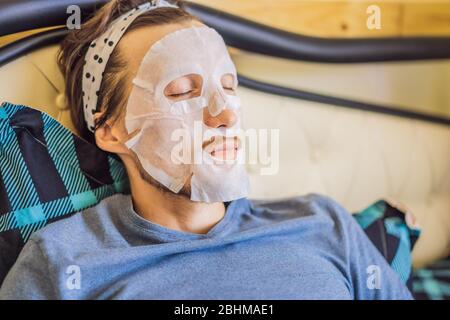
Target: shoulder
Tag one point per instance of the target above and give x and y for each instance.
(311, 204)
(89, 225)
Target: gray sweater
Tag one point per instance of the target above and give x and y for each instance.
(307, 247)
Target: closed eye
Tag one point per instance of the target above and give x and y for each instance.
(175, 95)
(229, 90)
(178, 95)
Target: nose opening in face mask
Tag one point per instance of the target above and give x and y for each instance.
(217, 103)
(219, 99)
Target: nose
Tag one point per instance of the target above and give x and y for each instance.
(227, 118)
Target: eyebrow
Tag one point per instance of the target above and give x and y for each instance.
(191, 80)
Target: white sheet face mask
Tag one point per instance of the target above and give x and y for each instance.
(198, 51)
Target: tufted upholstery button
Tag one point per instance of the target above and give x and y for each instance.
(61, 102)
(314, 155)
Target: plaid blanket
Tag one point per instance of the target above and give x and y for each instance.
(433, 282)
(388, 230)
(46, 173)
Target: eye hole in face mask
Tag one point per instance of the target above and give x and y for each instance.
(185, 87)
(228, 83)
(190, 86)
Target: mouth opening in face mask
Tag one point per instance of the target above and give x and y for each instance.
(222, 148)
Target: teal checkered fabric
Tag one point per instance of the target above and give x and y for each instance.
(387, 229)
(433, 282)
(46, 174)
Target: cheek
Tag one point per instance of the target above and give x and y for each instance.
(120, 129)
(157, 138)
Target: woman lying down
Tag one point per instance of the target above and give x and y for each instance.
(136, 77)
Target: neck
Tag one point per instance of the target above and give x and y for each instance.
(173, 211)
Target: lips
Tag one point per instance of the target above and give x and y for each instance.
(222, 148)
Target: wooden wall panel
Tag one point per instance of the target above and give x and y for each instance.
(426, 19)
(336, 18)
(344, 18)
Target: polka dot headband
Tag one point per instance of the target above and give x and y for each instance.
(98, 55)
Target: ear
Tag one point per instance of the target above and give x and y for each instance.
(110, 138)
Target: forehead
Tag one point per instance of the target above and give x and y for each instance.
(194, 49)
(136, 43)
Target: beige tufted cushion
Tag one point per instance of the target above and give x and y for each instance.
(34, 80)
(353, 156)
